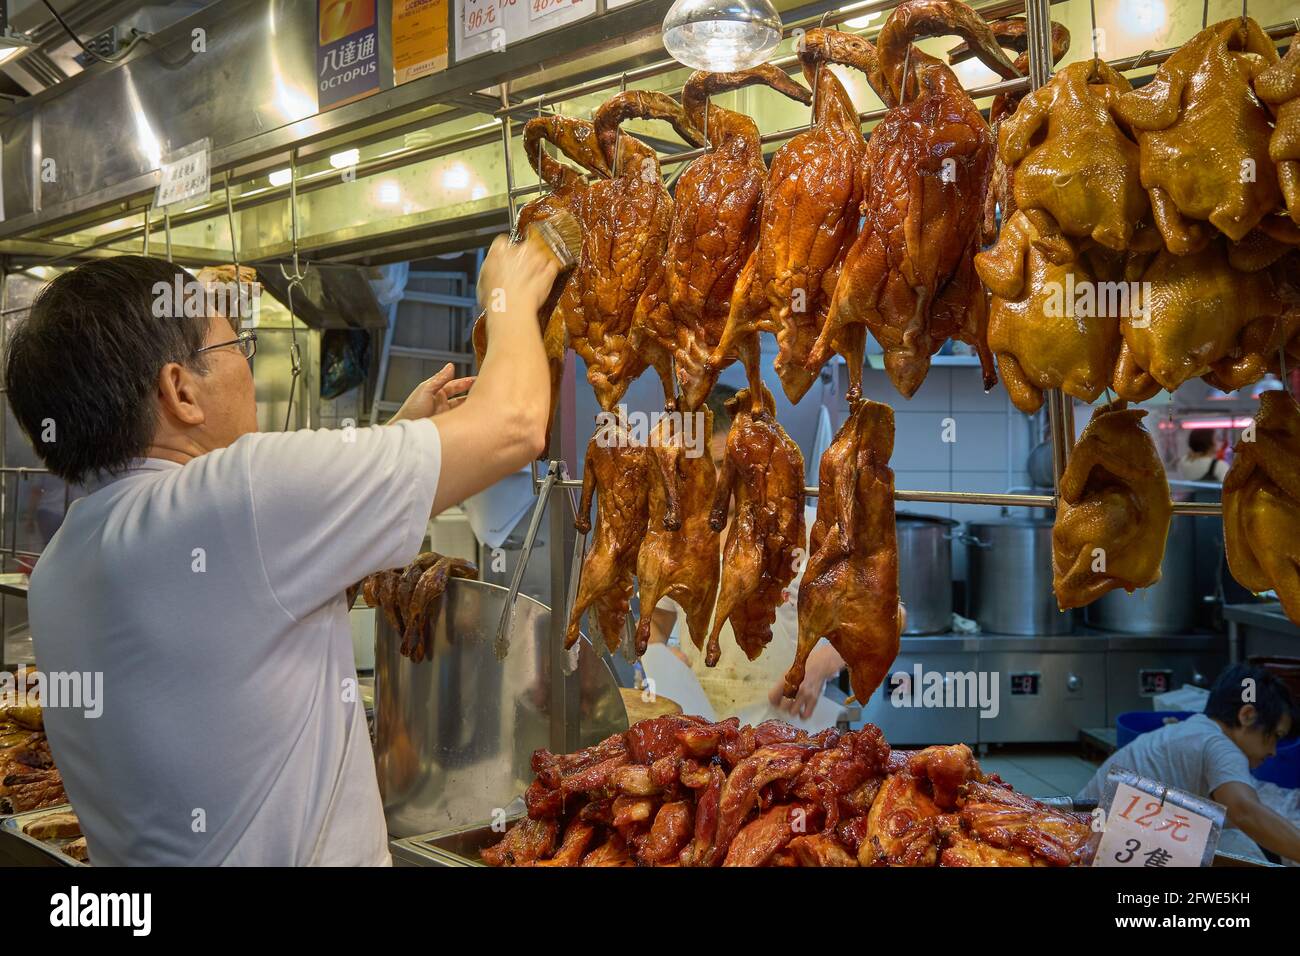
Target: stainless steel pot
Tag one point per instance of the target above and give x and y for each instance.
(1010, 578)
(925, 571)
(1168, 606)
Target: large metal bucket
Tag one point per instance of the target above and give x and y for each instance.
(454, 734)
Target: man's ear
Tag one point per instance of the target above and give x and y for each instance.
(1247, 716)
(178, 395)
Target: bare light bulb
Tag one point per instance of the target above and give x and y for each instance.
(722, 35)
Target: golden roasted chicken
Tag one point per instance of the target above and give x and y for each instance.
(809, 218)
(1114, 513)
(679, 556)
(615, 471)
(763, 474)
(718, 201)
(1261, 503)
(1200, 316)
(626, 234)
(1204, 136)
(679, 791)
(909, 276)
(1279, 86)
(1075, 166)
(1041, 338)
(409, 596)
(849, 593)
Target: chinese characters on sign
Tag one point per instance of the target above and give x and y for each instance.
(347, 52)
(1148, 825)
(184, 175)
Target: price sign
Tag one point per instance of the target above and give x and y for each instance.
(544, 8)
(184, 175)
(480, 16)
(1150, 825)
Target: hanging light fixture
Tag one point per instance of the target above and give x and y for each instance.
(722, 35)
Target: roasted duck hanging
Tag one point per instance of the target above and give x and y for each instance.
(910, 276)
(615, 472)
(576, 139)
(809, 217)
(1041, 335)
(1113, 516)
(679, 555)
(1074, 164)
(763, 472)
(849, 593)
(1261, 503)
(629, 215)
(1204, 136)
(1279, 86)
(715, 225)
(409, 596)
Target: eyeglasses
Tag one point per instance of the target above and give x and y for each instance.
(245, 340)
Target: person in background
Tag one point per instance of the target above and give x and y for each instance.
(1211, 754)
(763, 679)
(1202, 461)
(202, 577)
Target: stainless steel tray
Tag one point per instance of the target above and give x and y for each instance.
(13, 826)
(458, 846)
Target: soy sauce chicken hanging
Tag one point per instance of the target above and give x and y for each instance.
(1279, 86)
(1204, 137)
(810, 215)
(627, 223)
(910, 276)
(715, 225)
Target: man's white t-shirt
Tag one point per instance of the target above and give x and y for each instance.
(211, 598)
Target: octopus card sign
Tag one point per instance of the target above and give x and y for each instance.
(347, 52)
(419, 38)
(1150, 825)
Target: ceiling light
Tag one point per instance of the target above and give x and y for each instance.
(280, 177)
(13, 46)
(345, 159)
(721, 35)
(455, 176)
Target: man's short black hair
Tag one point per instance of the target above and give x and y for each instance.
(1272, 700)
(1200, 440)
(82, 369)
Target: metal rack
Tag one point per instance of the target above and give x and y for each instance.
(1060, 408)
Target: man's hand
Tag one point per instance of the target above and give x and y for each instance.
(823, 663)
(434, 396)
(516, 276)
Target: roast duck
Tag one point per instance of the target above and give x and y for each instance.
(410, 596)
(1114, 511)
(1261, 503)
(615, 471)
(717, 205)
(763, 474)
(28, 778)
(679, 791)
(679, 556)
(809, 217)
(909, 275)
(849, 592)
(1279, 86)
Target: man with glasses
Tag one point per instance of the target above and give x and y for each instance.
(203, 575)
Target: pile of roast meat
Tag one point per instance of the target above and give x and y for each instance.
(680, 791)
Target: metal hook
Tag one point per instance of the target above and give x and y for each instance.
(145, 250)
(294, 279)
(1092, 13)
(167, 231)
(907, 61)
(1137, 64)
(234, 251)
(618, 130)
(817, 76)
